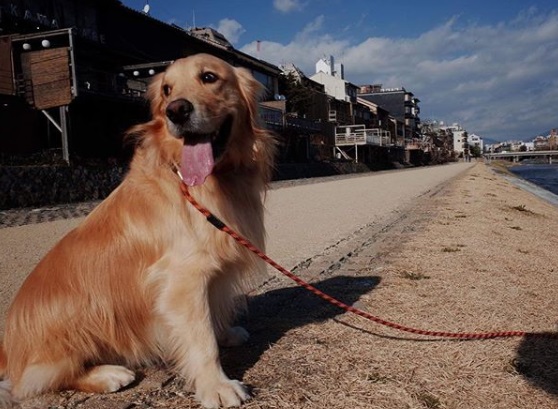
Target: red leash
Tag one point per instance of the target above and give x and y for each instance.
(216, 222)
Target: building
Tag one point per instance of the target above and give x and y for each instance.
(383, 122)
(332, 76)
(308, 133)
(462, 140)
(73, 74)
(336, 87)
(399, 102)
(307, 98)
(459, 138)
(343, 106)
(330, 67)
(475, 140)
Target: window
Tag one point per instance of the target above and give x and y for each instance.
(266, 81)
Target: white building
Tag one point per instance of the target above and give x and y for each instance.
(475, 140)
(529, 146)
(459, 138)
(331, 76)
(336, 87)
(329, 67)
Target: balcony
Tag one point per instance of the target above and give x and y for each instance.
(351, 135)
(275, 118)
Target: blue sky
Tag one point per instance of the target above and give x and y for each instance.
(490, 65)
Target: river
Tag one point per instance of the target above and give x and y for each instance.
(543, 175)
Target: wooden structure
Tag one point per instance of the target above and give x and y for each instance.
(44, 77)
(348, 138)
(66, 61)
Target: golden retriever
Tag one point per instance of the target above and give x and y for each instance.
(145, 277)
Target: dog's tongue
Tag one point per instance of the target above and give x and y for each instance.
(197, 163)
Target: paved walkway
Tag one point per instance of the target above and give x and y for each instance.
(315, 227)
(304, 221)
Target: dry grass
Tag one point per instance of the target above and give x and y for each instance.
(490, 275)
(499, 273)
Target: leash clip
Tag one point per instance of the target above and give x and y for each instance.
(179, 174)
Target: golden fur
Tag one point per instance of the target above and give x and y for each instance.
(145, 277)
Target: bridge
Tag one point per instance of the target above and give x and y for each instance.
(515, 156)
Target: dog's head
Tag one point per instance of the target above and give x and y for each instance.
(209, 108)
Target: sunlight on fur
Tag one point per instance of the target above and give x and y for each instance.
(144, 277)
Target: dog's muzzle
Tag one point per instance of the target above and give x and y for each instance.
(200, 150)
(179, 110)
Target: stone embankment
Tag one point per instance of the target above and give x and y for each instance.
(35, 186)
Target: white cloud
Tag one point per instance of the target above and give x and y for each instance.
(498, 80)
(286, 6)
(231, 29)
(310, 29)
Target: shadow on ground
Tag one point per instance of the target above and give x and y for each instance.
(537, 361)
(276, 312)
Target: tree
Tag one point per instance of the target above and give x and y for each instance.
(475, 151)
(298, 96)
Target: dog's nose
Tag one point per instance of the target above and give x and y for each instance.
(179, 110)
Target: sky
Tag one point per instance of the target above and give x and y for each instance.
(490, 65)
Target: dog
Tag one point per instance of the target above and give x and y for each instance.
(145, 278)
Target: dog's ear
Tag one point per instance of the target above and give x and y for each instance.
(153, 93)
(251, 91)
(265, 143)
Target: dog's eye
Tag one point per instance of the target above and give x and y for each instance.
(208, 77)
(166, 90)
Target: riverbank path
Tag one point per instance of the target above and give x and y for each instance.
(303, 218)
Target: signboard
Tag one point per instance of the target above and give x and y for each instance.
(48, 72)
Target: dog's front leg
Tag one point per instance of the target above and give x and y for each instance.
(193, 343)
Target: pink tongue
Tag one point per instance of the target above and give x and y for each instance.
(197, 163)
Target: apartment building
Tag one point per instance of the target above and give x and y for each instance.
(400, 103)
(343, 107)
(476, 140)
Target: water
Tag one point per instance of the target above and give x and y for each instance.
(545, 176)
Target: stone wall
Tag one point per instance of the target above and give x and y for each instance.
(34, 186)
(37, 186)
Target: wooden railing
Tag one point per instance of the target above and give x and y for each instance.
(274, 118)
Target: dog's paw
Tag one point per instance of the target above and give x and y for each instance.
(234, 337)
(110, 378)
(6, 399)
(228, 393)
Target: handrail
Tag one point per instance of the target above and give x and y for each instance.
(360, 135)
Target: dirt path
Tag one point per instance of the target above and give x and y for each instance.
(477, 254)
